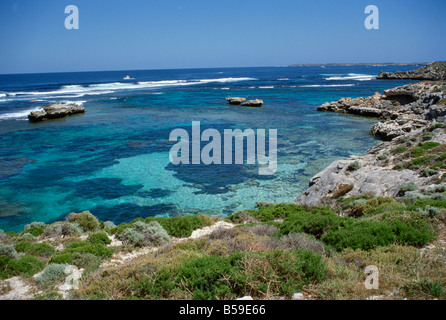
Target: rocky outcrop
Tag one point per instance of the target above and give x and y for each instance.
(376, 173)
(401, 109)
(236, 100)
(390, 129)
(253, 103)
(55, 111)
(433, 71)
(411, 115)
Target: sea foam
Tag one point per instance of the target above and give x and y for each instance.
(351, 76)
(78, 91)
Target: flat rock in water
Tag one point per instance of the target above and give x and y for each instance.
(55, 111)
(236, 100)
(253, 103)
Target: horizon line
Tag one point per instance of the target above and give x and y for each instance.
(194, 68)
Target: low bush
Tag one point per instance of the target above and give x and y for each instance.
(25, 266)
(302, 241)
(311, 223)
(62, 258)
(389, 228)
(87, 261)
(35, 228)
(83, 254)
(8, 250)
(373, 206)
(354, 166)
(425, 288)
(180, 227)
(429, 145)
(85, 220)
(401, 149)
(3, 235)
(143, 234)
(109, 226)
(87, 247)
(417, 152)
(259, 274)
(53, 273)
(66, 229)
(38, 249)
(411, 186)
(99, 238)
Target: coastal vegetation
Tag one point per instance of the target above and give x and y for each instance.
(270, 252)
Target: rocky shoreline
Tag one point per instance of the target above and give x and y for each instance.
(412, 118)
(433, 71)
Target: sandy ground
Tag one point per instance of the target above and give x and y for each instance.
(19, 290)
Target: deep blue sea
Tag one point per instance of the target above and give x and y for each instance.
(114, 159)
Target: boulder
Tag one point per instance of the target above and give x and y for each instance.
(253, 103)
(236, 100)
(55, 111)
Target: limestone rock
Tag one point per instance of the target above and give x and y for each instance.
(433, 71)
(253, 103)
(55, 111)
(236, 100)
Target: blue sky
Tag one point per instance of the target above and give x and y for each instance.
(162, 34)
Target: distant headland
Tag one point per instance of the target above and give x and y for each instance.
(359, 64)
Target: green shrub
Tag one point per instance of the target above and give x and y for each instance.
(425, 287)
(66, 229)
(86, 260)
(281, 211)
(436, 126)
(427, 136)
(8, 250)
(109, 226)
(6, 271)
(142, 234)
(401, 149)
(26, 266)
(302, 241)
(35, 228)
(38, 249)
(417, 152)
(87, 247)
(203, 277)
(99, 238)
(62, 258)
(411, 186)
(429, 145)
(368, 234)
(374, 206)
(53, 273)
(132, 237)
(182, 227)
(311, 223)
(427, 172)
(227, 277)
(354, 166)
(86, 220)
(420, 161)
(359, 235)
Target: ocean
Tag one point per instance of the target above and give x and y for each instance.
(114, 159)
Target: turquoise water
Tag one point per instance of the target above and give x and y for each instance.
(114, 160)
